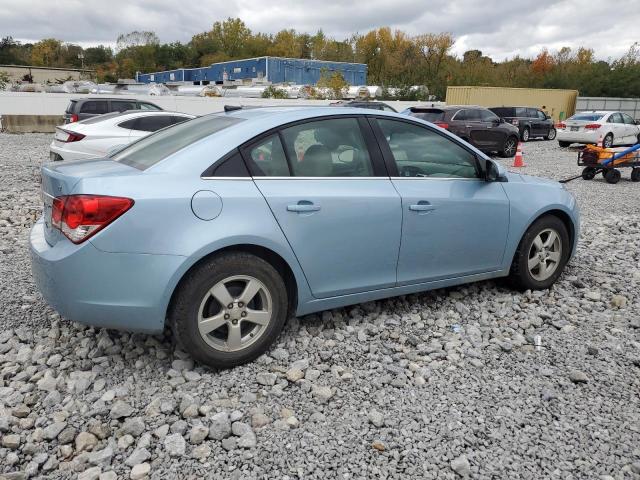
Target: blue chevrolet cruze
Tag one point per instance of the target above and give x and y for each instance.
(223, 226)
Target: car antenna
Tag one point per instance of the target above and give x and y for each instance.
(232, 108)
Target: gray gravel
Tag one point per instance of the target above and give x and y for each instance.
(445, 384)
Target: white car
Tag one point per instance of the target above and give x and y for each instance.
(98, 136)
(610, 128)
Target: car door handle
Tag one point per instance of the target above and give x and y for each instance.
(303, 206)
(422, 206)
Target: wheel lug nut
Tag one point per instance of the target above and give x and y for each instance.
(240, 304)
(230, 306)
(234, 321)
(243, 314)
(226, 316)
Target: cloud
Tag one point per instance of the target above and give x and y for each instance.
(500, 29)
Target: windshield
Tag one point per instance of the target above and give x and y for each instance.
(590, 117)
(151, 149)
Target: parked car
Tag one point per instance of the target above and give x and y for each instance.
(88, 107)
(220, 227)
(372, 105)
(97, 136)
(531, 122)
(477, 125)
(610, 128)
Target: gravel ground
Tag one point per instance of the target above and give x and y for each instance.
(445, 384)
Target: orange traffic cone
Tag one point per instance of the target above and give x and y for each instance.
(518, 161)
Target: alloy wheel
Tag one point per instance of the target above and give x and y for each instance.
(509, 146)
(234, 313)
(545, 255)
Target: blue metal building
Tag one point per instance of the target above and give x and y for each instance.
(272, 69)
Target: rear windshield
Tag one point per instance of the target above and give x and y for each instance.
(100, 118)
(71, 106)
(430, 115)
(151, 149)
(591, 117)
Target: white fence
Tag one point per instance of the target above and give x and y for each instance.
(21, 103)
(630, 106)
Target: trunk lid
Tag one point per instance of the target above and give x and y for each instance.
(61, 179)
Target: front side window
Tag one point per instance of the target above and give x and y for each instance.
(420, 152)
(542, 115)
(628, 120)
(488, 116)
(149, 106)
(469, 116)
(328, 148)
(94, 107)
(615, 118)
(122, 105)
(521, 112)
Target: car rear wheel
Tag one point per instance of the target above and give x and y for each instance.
(551, 135)
(509, 147)
(541, 254)
(229, 310)
(564, 144)
(607, 141)
(525, 134)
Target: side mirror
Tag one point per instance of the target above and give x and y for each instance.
(494, 172)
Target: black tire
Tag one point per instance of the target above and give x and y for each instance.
(589, 173)
(612, 175)
(635, 174)
(607, 141)
(520, 276)
(526, 134)
(563, 144)
(551, 135)
(192, 293)
(509, 147)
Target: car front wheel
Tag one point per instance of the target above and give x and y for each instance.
(509, 147)
(552, 134)
(541, 254)
(229, 310)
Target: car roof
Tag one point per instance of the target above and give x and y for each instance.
(125, 99)
(447, 107)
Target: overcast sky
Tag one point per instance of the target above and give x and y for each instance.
(499, 28)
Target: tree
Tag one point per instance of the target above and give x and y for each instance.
(4, 80)
(231, 35)
(47, 53)
(136, 39)
(335, 82)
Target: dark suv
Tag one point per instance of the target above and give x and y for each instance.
(477, 125)
(531, 122)
(83, 108)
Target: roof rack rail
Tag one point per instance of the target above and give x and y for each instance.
(231, 108)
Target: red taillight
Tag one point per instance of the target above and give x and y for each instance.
(67, 136)
(74, 118)
(79, 217)
(442, 125)
(592, 126)
(561, 125)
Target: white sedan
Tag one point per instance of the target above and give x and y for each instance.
(97, 136)
(606, 127)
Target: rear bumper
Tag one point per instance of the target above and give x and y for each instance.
(111, 290)
(577, 137)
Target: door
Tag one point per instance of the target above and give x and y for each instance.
(617, 127)
(326, 187)
(493, 131)
(539, 123)
(454, 223)
(632, 129)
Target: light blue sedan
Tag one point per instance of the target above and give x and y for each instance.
(223, 226)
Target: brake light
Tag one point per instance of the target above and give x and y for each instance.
(561, 125)
(68, 136)
(74, 118)
(442, 125)
(592, 126)
(79, 217)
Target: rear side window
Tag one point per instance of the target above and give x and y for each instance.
(615, 118)
(328, 148)
(421, 152)
(532, 112)
(267, 158)
(488, 116)
(122, 105)
(94, 107)
(430, 115)
(521, 112)
(503, 111)
(151, 149)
